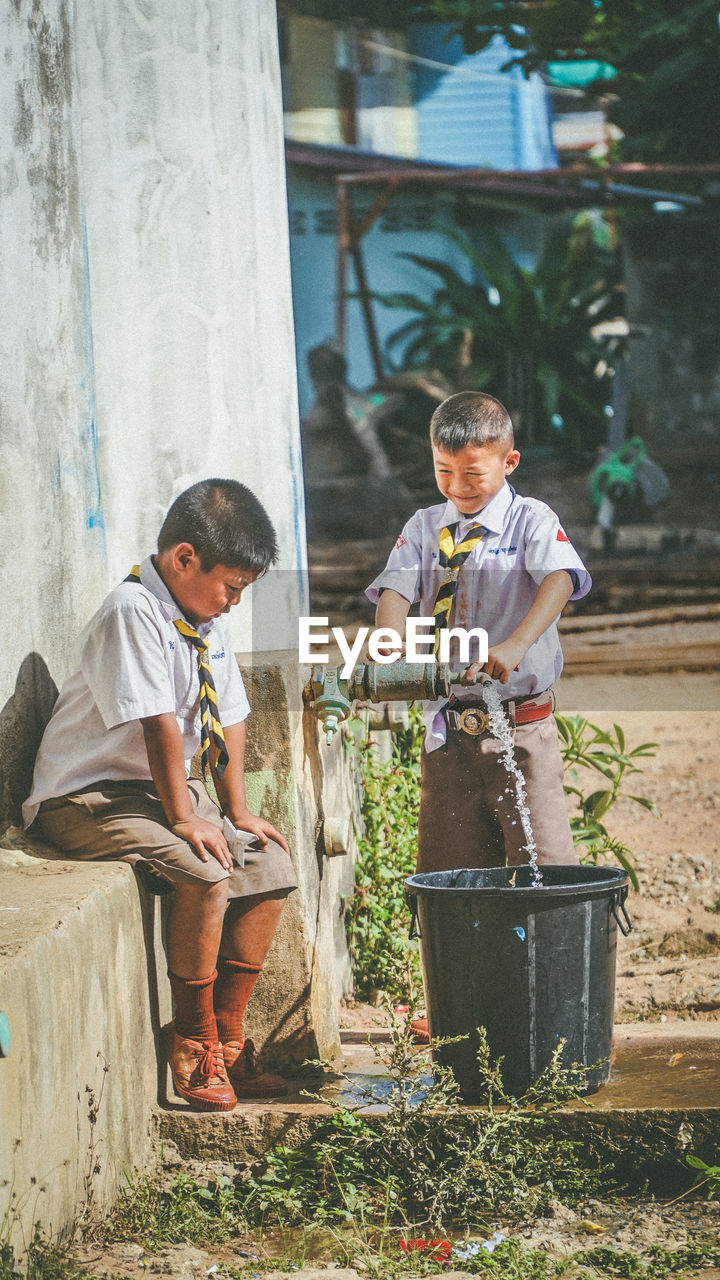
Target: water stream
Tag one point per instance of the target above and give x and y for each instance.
(502, 730)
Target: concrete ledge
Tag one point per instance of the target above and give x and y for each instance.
(663, 1100)
(83, 989)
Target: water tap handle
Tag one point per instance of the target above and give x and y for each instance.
(480, 677)
(327, 694)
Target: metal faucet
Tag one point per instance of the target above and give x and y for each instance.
(331, 696)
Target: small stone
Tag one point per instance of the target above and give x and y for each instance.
(561, 1212)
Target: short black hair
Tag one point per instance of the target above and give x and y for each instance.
(225, 524)
(471, 417)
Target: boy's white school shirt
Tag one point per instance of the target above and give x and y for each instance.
(496, 585)
(132, 663)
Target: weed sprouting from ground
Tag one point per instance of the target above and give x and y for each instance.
(377, 920)
(378, 1255)
(44, 1260)
(423, 1162)
(707, 1176)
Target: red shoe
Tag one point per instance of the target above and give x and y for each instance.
(247, 1076)
(420, 1030)
(199, 1074)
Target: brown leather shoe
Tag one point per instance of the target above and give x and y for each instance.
(199, 1075)
(247, 1076)
(420, 1030)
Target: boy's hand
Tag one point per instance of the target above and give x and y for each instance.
(260, 828)
(385, 649)
(503, 659)
(205, 839)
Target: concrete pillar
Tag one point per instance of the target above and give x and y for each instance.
(299, 784)
(145, 313)
(51, 517)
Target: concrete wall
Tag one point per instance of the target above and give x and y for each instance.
(83, 985)
(145, 316)
(672, 271)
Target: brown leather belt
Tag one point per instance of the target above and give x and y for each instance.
(473, 718)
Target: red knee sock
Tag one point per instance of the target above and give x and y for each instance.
(194, 1014)
(234, 986)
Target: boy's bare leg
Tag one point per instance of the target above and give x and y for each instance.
(250, 925)
(195, 928)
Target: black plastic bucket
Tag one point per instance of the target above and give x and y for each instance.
(533, 966)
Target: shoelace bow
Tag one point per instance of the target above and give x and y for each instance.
(210, 1061)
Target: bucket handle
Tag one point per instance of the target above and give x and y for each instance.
(411, 900)
(625, 925)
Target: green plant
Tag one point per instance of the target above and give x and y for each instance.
(182, 1212)
(586, 746)
(708, 1176)
(44, 1260)
(655, 1263)
(528, 334)
(376, 915)
(424, 1161)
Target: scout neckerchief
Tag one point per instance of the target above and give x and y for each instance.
(209, 713)
(452, 558)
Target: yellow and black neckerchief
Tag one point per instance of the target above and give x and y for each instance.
(452, 558)
(211, 728)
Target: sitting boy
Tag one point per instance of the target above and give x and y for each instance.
(489, 558)
(156, 679)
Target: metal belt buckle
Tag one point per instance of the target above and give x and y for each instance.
(474, 721)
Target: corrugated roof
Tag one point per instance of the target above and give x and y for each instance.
(578, 186)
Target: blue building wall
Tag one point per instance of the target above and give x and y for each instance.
(472, 113)
(412, 223)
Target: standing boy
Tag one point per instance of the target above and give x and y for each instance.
(489, 558)
(156, 679)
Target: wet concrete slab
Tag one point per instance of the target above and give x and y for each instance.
(670, 1066)
(663, 1098)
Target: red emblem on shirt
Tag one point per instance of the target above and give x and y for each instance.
(400, 542)
(562, 536)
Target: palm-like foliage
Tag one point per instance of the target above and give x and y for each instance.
(523, 333)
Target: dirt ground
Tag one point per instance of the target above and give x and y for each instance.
(669, 967)
(625, 1228)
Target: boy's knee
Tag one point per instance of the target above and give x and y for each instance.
(209, 891)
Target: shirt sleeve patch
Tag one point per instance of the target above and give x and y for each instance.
(561, 536)
(400, 541)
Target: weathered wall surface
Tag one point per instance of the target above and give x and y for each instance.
(673, 289)
(83, 985)
(298, 783)
(145, 316)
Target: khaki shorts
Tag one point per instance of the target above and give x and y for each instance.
(467, 819)
(125, 821)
